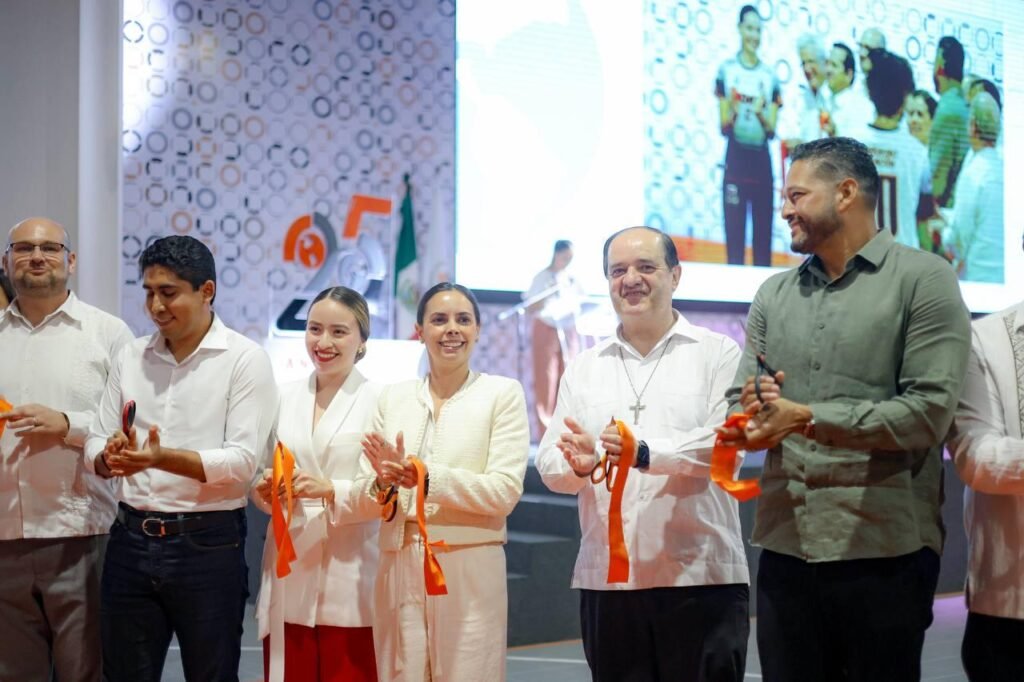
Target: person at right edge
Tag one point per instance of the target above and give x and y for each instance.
(871, 339)
(987, 444)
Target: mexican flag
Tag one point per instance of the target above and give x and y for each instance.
(407, 270)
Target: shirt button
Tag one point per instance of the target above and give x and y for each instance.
(817, 366)
(821, 325)
(814, 448)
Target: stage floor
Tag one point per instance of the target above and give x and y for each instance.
(563, 661)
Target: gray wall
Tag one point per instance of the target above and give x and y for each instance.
(60, 126)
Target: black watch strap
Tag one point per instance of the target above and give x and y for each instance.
(643, 455)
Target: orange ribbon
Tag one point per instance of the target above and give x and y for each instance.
(284, 467)
(4, 407)
(432, 574)
(723, 464)
(618, 555)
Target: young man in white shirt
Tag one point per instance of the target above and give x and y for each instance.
(205, 403)
(54, 516)
(683, 612)
(987, 442)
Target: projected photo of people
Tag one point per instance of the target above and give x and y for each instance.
(923, 89)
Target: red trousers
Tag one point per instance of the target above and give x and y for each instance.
(325, 654)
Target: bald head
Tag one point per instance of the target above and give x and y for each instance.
(871, 39)
(39, 229)
(984, 119)
(38, 259)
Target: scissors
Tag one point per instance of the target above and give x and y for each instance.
(127, 417)
(763, 368)
(387, 498)
(604, 471)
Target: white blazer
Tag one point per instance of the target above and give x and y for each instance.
(988, 449)
(331, 582)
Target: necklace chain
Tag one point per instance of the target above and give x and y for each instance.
(637, 407)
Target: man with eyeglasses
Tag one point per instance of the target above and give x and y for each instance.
(681, 609)
(54, 516)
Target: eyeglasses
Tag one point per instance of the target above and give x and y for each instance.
(51, 250)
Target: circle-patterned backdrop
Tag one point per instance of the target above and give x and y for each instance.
(241, 116)
(686, 41)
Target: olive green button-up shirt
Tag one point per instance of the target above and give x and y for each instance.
(879, 354)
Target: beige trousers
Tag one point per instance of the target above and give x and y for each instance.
(456, 637)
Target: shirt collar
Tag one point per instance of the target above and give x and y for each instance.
(216, 338)
(71, 308)
(873, 254)
(681, 329)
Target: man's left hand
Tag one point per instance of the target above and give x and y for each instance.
(36, 420)
(773, 422)
(129, 462)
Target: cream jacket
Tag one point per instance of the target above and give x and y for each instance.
(988, 448)
(477, 458)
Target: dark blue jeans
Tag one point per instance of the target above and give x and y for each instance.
(192, 585)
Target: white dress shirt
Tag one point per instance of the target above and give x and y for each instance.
(976, 231)
(988, 449)
(220, 401)
(851, 111)
(680, 528)
(803, 120)
(62, 363)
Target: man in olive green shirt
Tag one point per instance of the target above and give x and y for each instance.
(870, 339)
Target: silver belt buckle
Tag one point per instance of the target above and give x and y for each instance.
(157, 534)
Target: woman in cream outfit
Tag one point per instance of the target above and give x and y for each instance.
(319, 617)
(472, 433)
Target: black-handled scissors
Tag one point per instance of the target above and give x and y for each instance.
(387, 498)
(763, 368)
(127, 417)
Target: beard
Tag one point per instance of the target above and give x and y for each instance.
(31, 286)
(814, 231)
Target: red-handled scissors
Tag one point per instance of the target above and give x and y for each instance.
(127, 417)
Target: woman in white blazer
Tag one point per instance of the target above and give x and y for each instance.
(471, 432)
(316, 622)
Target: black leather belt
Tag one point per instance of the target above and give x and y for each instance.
(160, 524)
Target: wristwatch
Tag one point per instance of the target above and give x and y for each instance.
(809, 429)
(643, 456)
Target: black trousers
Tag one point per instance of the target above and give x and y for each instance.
(993, 648)
(861, 620)
(666, 634)
(748, 182)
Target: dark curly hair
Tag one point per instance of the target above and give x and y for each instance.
(185, 256)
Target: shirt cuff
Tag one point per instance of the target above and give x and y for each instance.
(78, 428)
(90, 453)
(831, 421)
